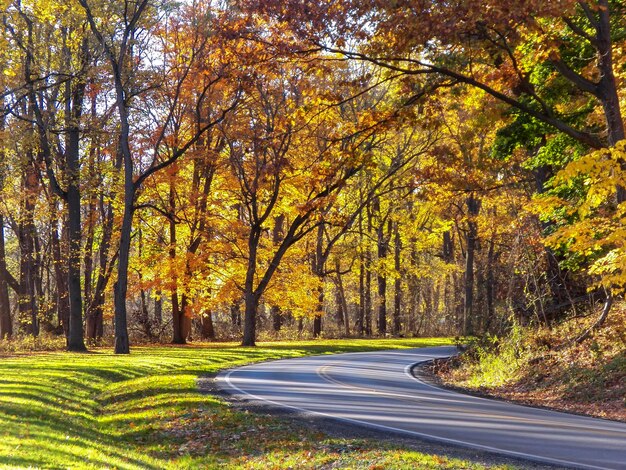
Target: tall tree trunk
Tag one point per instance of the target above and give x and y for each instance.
(339, 312)
(368, 295)
(382, 304)
(490, 284)
(342, 301)
(318, 268)
(144, 315)
(6, 324)
(88, 258)
(277, 237)
(28, 310)
(251, 299)
(177, 320)
(397, 291)
(185, 318)
(277, 318)
(94, 314)
(158, 308)
(368, 279)
(60, 271)
(383, 246)
(317, 320)
(607, 87)
(27, 299)
(122, 345)
(178, 334)
(249, 319)
(94, 294)
(207, 331)
(473, 209)
(360, 322)
(75, 340)
(235, 314)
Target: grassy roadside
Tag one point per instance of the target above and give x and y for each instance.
(544, 367)
(98, 410)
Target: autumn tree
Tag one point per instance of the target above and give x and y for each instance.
(287, 158)
(54, 94)
(127, 44)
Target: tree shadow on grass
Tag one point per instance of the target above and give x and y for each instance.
(138, 411)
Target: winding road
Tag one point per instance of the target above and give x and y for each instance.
(378, 389)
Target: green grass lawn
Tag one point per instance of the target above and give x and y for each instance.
(95, 410)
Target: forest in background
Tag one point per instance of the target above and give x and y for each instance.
(253, 169)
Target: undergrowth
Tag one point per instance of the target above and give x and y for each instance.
(545, 366)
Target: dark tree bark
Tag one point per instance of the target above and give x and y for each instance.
(60, 270)
(207, 330)
(6, 323)
(448, 247)
(381, 277)
(249, 319)
(360, 322)
(368, 279)
(73, 97)
(251, 298)
(473, 209)
(144, 315)
(88, 259)
(339, 312)
(27, 299)
(122, 345)
(607, 91)
(277, 237)
(397, 291)
(235, 314)
(490, 284)
(368, 295)
(178, 327)
(319, 268)
(75, 340)
(343, 318)
(158, 308)
(94, 314)
(27, 302)
(317, 320)
(277, 318)
(186, 318)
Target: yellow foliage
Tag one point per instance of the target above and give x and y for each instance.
(596, 231)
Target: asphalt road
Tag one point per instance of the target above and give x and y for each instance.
(377, 389)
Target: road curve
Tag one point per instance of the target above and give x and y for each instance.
(377, 389)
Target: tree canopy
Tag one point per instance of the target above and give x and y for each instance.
(246, 168)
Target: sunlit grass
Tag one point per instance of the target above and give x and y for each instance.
(63, 410)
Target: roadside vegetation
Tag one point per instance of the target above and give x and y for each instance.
(548, 367)
(101, 410)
